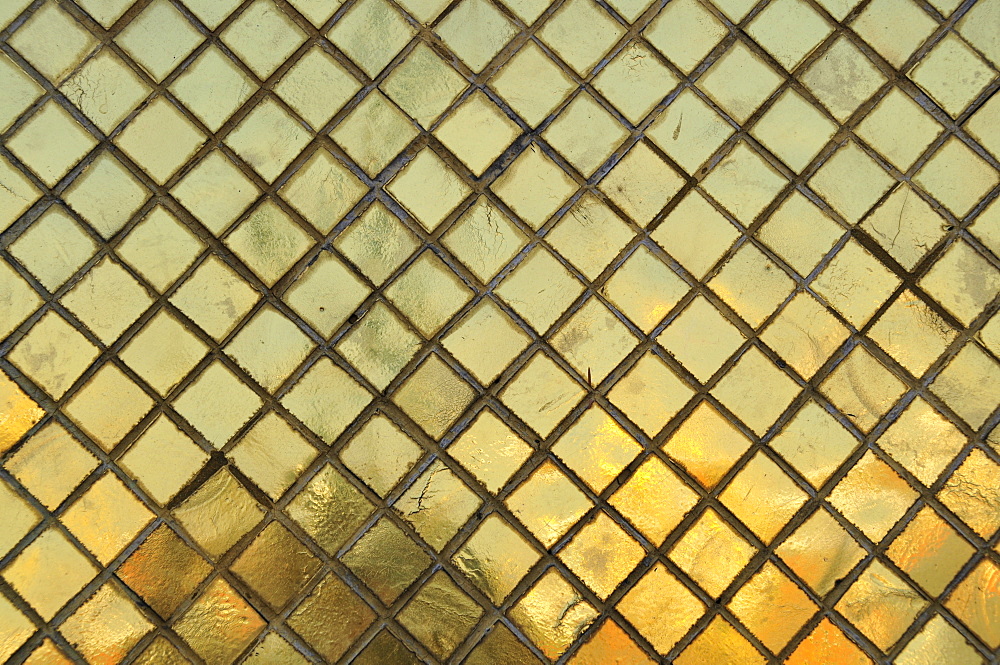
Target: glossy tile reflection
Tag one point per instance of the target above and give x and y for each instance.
(499, 332)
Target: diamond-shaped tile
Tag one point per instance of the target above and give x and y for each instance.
(352, 34)
(490, 450)
(712, 553)
(593, 341)
(164, 570)
(207, 624)
(589, 235)
(437, 505)
(894, 28)
(428, 189)
(685, 31)
(773, 624)
(163, 352)
(814, 443)
(269, 348)
(805, 334)
(789, 30)
(596, 448)
(326, 399)
(821, 552)
(958, 194)
(68, 571)
(317, 86)
(656, 595)
(828, 644)
(534, 186)
(424, 85)
(159, 39)
(695, 234)
(930, 551)
(440, 615)
(744, 183)
(581, 32)
(50, 464)
(641, 184)
(17, 300)
(552, 614)
(541, 394)
(532, 84)
(842, 79)
(718, 641)
(912, 333)
(146, 460)
(379, 346)
(905, 225)
(269, 242)
(881, 605)
(739, 81)
(851, 182)
(53, 355)
(107, 626)
(215, 191)
(107, 300)
(855, 283)
(50, 143)
(635, 81)
(548, 503)
(89, 406)
(374, 133)
(209, 80)
(794, 130)
(654, 499)
(33, 248)
(377, 243)
(800, 233)
(650, 394)
(217, 404)
(644, 288)
(17, 194)
(105, 89)
(935, 74)
(485, 341)
(763, 497)
(982, 125)
(365, 560)
(219, 513)
(770, 285)
(434, 396)
(268, 139)
(330, 509)
(160, 139)
(741, 391)
(215, 297)
(160, 248)
(862, 388)
(475, 31)
(706, 445)
(477, 132)
(429, 293)
(495, 558)
(263, 36)
(272, 455)
(898, 128)
(975, 601)
(962, 281)
(106, 517)
(972, 495)
(938, 636)
(276, 565)
(484, 239)
(584, 133)
(331, 598)
(872, 496)
(51, 40)
(701, 339)
(380, 454)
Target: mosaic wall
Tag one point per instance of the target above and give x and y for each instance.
(499, 332)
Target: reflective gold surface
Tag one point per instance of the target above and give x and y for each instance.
(499, 332)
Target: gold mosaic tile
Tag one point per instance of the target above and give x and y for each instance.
(499, 332)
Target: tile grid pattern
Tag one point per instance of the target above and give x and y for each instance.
(969, 333)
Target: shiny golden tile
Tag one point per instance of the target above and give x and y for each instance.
(701, 339)
(51, 40)
(542, 394)
(548, 503)
(953, 93)
(490, 450)
(739, 391)
(217, 404)
(437, 505)
(429, 293)
(552, 614)
(967, 384)
(386, 540)
(51, 464)
(930, 551)
(596, 448)
(17, 300)
(610, 642)
(219, 513)
(872, 497)
(740, 81)
(811, 129)
(160, 248)
(602, 555)
(590, 235)
(164, 571)
(220, 624)
(685, 32)
(532, 84)
(331, 618)
(160, 139)
(720, 642)
(484, 239)
(654, 500)
(585, 133)
(763, 497)
(269, 347)
(842, 78)
(972, 494)
(317, 86)
(376, 131)
(937, 638)
(215, 191)
(163, 352)
(656, 595)
(268, 139)
(912, 333)
(272, 455)
(805, 334)
(208, 81)
(534, 186)
(772, 607)
(475, 31)
(428, 188)
(820, 552)
(881, 605)
(330, 509)
(650, 394)
(214, 297)
(495, 558)
(423, 85)
(958, 195)
(106, 517)
(814, 443)
(276, 565)
(501, 647)
(485, 341)
(862, 388)
(635, 81)
(789, 30)
(88, 407)
(477, 132)
(540, 289)
(326, 399)
(20, 413)
(67, 571)
(380, 454)
(19, 516)
(106, 627)
(326, 294)
(975, 602)
(269, 242)
(434, 396)
(923, 441)
(162, 651)
(712, 553)
(440, 615)
(263, 36)
(827, 644)
(644, 288)
(386, 648)
(377, 243)
(593, 341)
